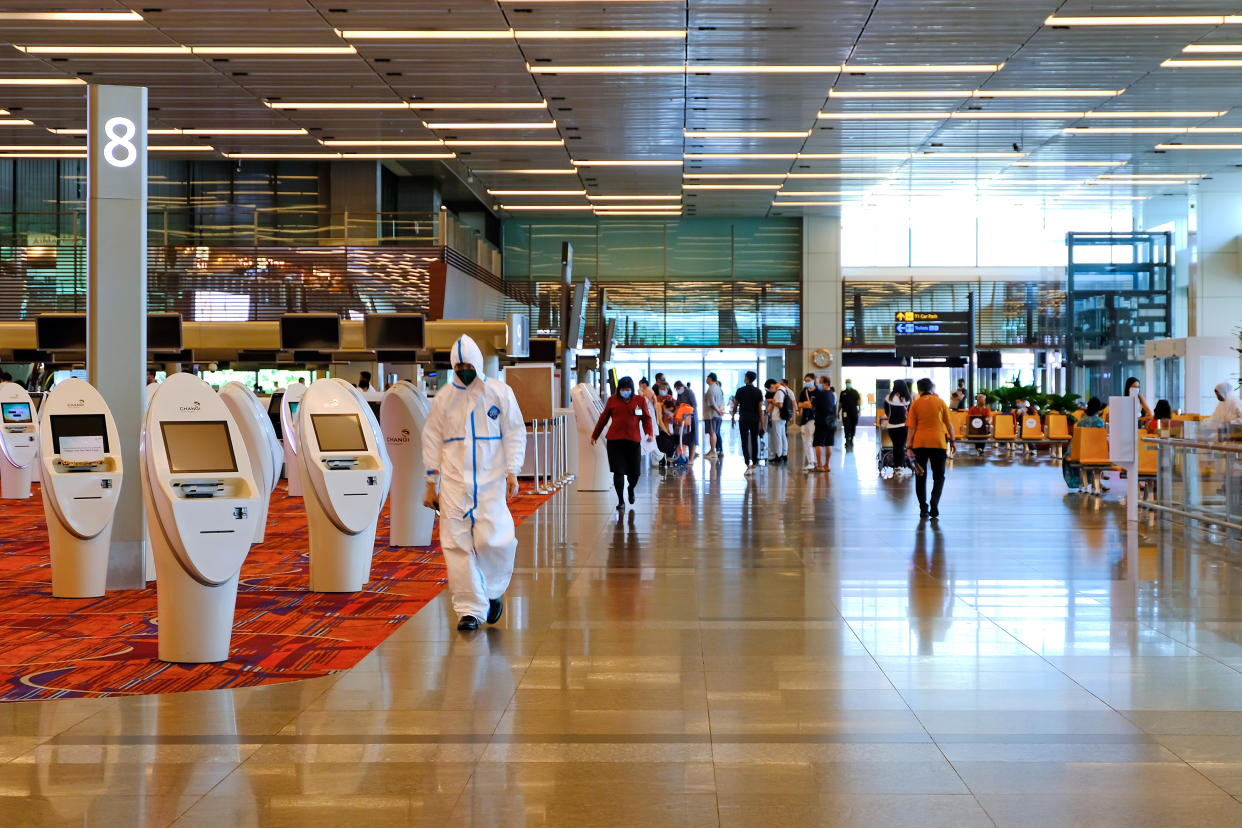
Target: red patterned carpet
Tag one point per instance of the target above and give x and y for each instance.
(64, 648)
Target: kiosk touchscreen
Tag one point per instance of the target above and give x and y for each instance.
(261, 444)
(403, 414)
(592, 474)
(202, 503)
(81, 458)
(289, 401)
(19, 441)
(345, 477)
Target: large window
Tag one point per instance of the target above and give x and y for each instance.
(966, 231)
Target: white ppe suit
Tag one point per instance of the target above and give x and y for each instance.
(1229, 409)
(474, 437)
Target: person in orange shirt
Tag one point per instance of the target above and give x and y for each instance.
(930, 434)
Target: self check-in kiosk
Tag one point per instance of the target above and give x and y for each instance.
(81, 457)
(592, 474)
(345, 478)
(403, 414)
(19, 441)
(289, 402)
(261, 444)
(202, 501)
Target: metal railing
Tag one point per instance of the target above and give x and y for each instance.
(1198, 480)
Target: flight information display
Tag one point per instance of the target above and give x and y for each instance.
(198, 446)
(17, 413)
(78, 425)
(339, 432)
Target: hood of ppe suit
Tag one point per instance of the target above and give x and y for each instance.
(1225, 390)
(465, 350)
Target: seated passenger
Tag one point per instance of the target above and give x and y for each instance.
(1229, 409)
(1162, 413)
(1092, 418)
(980, 408)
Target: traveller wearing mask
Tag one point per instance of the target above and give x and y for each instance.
(748, 406)
(474, 444)
(1132, 390)
(825, 434)
(689, 431)
(849, 405)
(627, 419)
(930, 434)
(778, 435)
(806, 422)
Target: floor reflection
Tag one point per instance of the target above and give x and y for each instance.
(765, 649)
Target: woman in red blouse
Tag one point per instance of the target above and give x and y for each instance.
(629, 418)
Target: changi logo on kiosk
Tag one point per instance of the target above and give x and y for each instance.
(402, 438)
(195, 406)
(78, 404)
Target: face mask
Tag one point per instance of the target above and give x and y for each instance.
(808, 385)
(626, 394)
(1134, 391)
(466, 375)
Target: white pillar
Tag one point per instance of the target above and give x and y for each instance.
(116, 295)
(822, 319)
(1216, 290)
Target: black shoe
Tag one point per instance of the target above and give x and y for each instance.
(935, 513)
(620, 505)
(631, 494)
(468, 623)
(922, 510)
(495, 609)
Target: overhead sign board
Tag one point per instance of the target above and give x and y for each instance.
(932, 335)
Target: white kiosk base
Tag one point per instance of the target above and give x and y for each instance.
(79, 567)
(195, 624)
(14, 482)
(338, 562)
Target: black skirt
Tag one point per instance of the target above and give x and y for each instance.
(624, 457)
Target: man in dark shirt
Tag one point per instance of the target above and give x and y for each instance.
(748, 406)
(824, 407)
(849, 403)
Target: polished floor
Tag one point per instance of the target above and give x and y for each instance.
(780, 650)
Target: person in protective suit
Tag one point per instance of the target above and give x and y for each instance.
(474, 444)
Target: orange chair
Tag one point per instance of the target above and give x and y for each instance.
(1032, 431)
(958, 420)
(1093, 456)
(1003, 430)
(1058, 433)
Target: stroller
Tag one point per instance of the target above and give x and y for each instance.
(887, 462)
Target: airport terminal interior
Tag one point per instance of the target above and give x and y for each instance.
(620, 413)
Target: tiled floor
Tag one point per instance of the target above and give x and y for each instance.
(788, 650)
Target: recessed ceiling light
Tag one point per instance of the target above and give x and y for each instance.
(343, 142)
(1213, 48)
(546, 207)
(380, 156)
(537, 192)
(466, 142)
(914, 69)
(633, 163)
(39, 148)
(1133, 20)
(534, 171)
(673, 197)
(1158, 114)
(41, 82)
(80, 17)
(768, 187)
(493, 125)
(510, 34)
(1198, 146)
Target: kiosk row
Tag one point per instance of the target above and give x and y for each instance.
(208, 466)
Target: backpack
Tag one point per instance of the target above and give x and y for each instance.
(787, 406)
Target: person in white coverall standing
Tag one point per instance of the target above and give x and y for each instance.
(474, 444)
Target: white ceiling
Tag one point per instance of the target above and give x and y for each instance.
(626, 115)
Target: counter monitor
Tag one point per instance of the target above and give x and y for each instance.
(78, 425)
(293, 409)
(198, 447)
(15, 412)
(339, 432)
